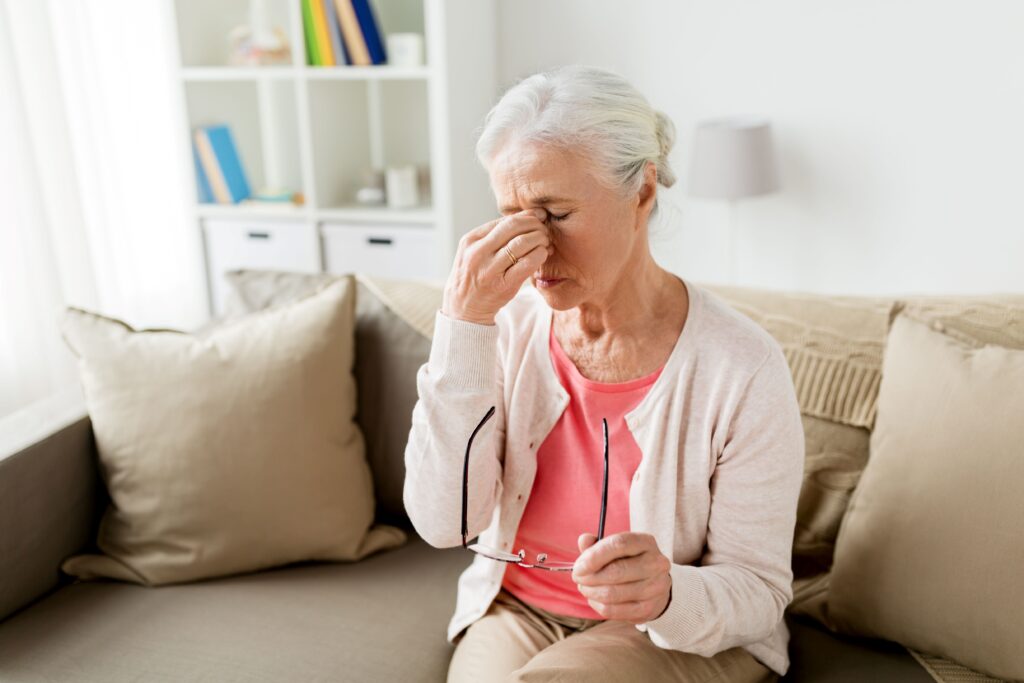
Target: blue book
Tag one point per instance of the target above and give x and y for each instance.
(223, 144)
(202, 182)
(371, 30)
(334, 31)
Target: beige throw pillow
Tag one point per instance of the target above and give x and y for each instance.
(930, 551)
(229, 452)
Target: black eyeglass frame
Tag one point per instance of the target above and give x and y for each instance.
(519, 558)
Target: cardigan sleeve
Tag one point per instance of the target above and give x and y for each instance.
(457, 385)
(740, 590)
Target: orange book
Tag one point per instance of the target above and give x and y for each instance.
(323, 38)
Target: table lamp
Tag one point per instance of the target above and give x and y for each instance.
(732, 158)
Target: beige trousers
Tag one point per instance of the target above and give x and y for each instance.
(514, 641)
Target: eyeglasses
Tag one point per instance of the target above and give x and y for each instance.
(519, 558)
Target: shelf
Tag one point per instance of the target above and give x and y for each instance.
(382, 214)
(380, 72)
(203, 74)
(253, 210)
(420, 215)
(206, 74)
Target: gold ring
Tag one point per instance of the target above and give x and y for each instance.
(511, 256)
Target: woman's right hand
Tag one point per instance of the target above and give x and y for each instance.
(483, 278)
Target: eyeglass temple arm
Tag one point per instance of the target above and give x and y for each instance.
(604, 486)
(465, 481)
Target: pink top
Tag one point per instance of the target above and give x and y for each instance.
(565, 500)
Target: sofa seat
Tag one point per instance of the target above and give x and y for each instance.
(381, 619)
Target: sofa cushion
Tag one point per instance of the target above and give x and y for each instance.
(383, 618)
(394, 325)
(228, 453)
(819, 656)
(929, 552)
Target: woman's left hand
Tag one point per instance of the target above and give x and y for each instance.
(624, 576)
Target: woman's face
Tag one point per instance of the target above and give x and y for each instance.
(597, 235)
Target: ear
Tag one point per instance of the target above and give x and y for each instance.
(647, 194)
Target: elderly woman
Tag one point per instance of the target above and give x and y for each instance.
(627, 447)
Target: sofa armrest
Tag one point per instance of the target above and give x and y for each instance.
(51, 495)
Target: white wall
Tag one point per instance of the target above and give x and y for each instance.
(900, 129)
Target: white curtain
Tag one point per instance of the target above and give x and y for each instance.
(95, 182)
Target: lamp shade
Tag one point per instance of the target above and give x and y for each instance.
(732, 157)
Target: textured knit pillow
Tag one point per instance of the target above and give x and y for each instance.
(229, 452)
(930, 551)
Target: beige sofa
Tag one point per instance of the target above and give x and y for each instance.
(384, 618)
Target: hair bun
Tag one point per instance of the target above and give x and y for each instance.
(666, 131)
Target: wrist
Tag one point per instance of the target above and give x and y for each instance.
(667, 603)
(479, 320)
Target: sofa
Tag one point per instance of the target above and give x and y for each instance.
(383, 618)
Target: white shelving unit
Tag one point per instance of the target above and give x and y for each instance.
(315, 129)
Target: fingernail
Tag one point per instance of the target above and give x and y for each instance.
(541, 214)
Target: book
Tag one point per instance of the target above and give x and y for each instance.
(222, 163)
(371, 30)
(323, 40)
(211, 168)
(202, 182)
(334, 29)
(312, 53)
(352, 34)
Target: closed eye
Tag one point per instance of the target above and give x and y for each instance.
(558, 218)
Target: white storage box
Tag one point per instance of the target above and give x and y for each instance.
(384, 250)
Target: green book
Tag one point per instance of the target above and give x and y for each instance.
(312, 49)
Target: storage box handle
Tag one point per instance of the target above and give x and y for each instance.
(259, 235)
(379, 240)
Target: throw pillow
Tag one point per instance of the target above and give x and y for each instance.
(930, 550)
(394, 325)
(229, 452)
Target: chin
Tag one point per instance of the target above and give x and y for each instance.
(556, 298)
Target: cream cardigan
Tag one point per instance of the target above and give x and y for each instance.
(723, 459)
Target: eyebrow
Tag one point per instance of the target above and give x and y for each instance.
(545, 200)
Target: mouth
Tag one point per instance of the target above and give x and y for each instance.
(547, 281)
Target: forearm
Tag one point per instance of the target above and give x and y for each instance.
(456, 386)
(718, 607)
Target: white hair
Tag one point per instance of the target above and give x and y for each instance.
(589, 111)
